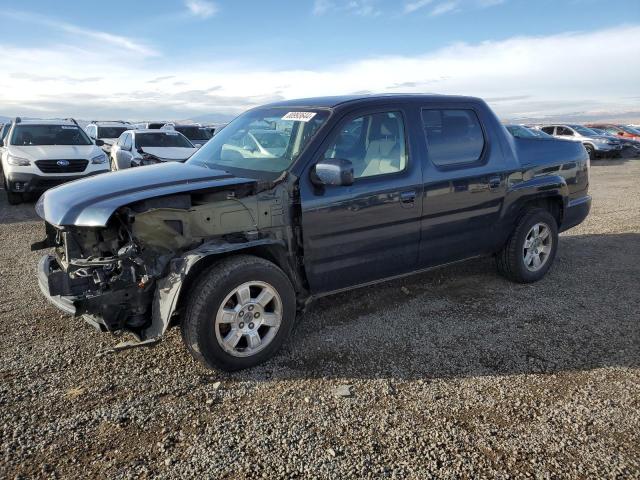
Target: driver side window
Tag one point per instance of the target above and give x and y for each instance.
(374, 144)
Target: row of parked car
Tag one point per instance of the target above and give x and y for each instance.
(39, 154)
(599, 139)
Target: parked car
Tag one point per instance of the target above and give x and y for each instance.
(39, 154)
(259, 143)
(195, 133)
(618, 130)
(231, 246)
(596, 145)
(4, 131)
(136, 148)
(522, 131)
(107, 131)
(627, 143)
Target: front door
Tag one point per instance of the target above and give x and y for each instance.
(371, 229)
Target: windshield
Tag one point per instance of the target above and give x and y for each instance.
(27, 135)
(631, 130)
(524, 132)
(111, 132)
(587, 132)
(162, 139)
(194, 133)
(264, 140)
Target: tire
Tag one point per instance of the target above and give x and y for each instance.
(214, 314)
(12, 197)
(590, 151)
(513, 260)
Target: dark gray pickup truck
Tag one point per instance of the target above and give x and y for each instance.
(300, 199)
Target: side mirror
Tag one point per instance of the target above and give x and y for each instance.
(333, 171)
(99, 143)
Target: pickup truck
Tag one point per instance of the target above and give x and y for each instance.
(348, 191)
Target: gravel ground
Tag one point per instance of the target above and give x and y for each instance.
(455, 373)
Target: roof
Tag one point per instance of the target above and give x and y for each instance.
(154, 130)
(335, 101)
(47, 122)
(111, 123)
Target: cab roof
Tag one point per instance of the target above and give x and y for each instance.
(364, 99)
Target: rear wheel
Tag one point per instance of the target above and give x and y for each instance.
(240, 312)
(529, 252)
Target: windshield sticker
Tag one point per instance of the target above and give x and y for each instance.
(69, 127)
(299, 116)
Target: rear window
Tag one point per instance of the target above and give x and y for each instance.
(111, 132)
(454, 137)
(194, 133)
(26, 135)
(162, 139)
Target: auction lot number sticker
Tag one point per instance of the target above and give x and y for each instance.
(299, 116)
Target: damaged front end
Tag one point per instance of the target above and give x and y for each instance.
(101, 274)
(121, 262)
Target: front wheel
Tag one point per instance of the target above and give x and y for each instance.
(529, 252)
(590, 151)
(239, 314)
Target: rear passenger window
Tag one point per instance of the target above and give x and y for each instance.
(454, 137)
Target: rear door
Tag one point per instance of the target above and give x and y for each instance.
(369, 230)
(465, 184)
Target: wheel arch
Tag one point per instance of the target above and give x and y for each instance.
(172, 290)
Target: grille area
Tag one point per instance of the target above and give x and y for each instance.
(52, 166)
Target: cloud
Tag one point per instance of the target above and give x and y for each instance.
(444, 7)
(361, 8)
(82, 34)
(201, 8)
(521, 77)
(448, 6)
(417, 5)
(161, 79)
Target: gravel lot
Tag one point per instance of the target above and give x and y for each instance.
(455, 373)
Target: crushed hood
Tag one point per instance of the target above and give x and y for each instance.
(91, 201)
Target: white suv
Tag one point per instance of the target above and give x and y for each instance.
(108, 132)
(39, 154)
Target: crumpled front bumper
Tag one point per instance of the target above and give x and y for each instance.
(106, 311)
(45, 269)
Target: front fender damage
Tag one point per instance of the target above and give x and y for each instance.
(169, 288)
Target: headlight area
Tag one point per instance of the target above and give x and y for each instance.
(17, 161)
(104, 274)
(99, 159)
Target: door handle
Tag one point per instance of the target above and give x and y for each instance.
(408, 198)
(494, 182)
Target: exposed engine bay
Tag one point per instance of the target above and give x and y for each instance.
(128, 275)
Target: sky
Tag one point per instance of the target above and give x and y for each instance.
(213, 59)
